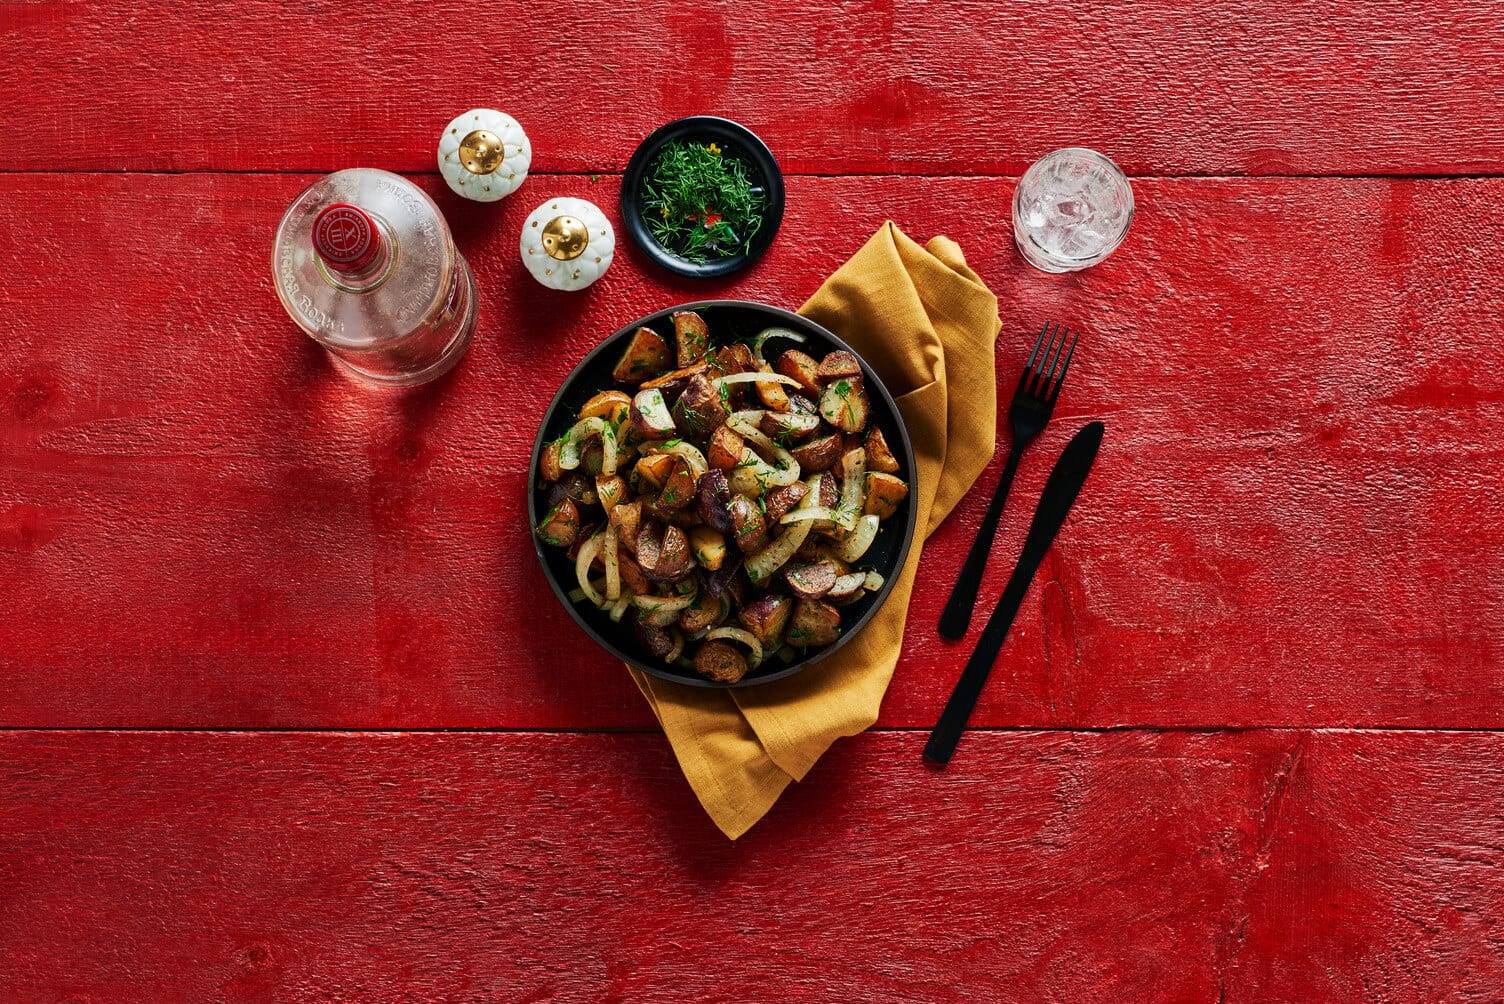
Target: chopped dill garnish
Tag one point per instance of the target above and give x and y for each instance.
(700, 204)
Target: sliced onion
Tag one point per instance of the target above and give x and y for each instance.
(856, 543)
(613, 565)
(572, 449)
(751, 417)
(747, 638)
(608, 450)
(873, 583)
(761, 565)
(786, 473)
(678, 649)
(732, 378)
(766, 335)
(853, 488)
(662, 604)
(787, 653)
(692, 457)
(588, 552)
(814, 512)
(620, 607)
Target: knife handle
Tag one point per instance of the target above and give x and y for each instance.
(963, 699)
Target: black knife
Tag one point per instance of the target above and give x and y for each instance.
(1060, 492)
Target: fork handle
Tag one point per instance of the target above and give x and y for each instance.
(956, 617)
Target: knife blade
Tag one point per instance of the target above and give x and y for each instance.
(1060, 492)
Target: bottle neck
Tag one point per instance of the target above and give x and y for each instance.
(352, 247)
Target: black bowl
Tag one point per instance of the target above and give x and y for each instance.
(729, 320)
(736, 140)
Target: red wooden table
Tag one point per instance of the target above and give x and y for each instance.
(288, 712)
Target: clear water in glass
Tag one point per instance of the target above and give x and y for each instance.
(1071, 209)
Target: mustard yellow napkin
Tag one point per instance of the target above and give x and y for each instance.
(923, 320)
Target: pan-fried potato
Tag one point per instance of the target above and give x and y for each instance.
(679, 489)
(751, 531)
(720, 661)
(884, 493)
(801, 367)
(704, 613)
(699, 408)
(819, 454)
(879, 457)
(815, 624)
(725, 451)
(691, 336)
(654, 469)
(548, 462)
(627, 519)
(766, 617)
(562, 524)
(772, 396)
(646, 355)
(778, 502)
(838, 365)
(844, 404)
(789, 426)
(650, 415)
(612, 405)
(610, 491)
(709, 547)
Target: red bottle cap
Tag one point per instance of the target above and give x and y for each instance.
(346, 238)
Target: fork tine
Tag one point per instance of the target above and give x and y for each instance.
(1037, 343)
(1064, 368)
(1042, 379)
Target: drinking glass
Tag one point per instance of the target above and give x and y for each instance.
(1072, 208)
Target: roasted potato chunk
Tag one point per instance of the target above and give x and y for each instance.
(801, 367)
(721, 662)
(725, 450)
(656, 640)
(766, 617)
(627, 518)
(879, 457)
(819, 454)
(846, 589)
(709, 547)
(646, 355)
(653, 470)
(699, 408)
(573, 485)
(779, 502)
(815, 623)
(844, 404)
(561, 526)
(884, 493)
(650, 415)
(632, 579)
(829, 494)
(610, 492)
(704, 613)
(678, 490)
(772, 395)
(691, 336)
(810, 580)
(838, 365)
(735, 358)
(548, 462)
(663, 552)
(713, 501)
(749, 528)
(789, 426)
(612, 405)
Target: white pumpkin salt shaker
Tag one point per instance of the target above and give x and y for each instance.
(567, 243)
(484, 155)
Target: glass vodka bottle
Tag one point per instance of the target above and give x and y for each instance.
(364, 263)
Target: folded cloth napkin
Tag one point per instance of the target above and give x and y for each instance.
(925, 323)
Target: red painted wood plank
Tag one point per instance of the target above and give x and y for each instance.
(1242, 867)
(1224, 87)
(1295, 519)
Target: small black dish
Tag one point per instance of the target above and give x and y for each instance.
(729, 320)
(737, 140)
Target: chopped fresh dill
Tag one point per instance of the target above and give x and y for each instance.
(699, 203)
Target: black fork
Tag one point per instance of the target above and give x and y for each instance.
(1029, 413)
